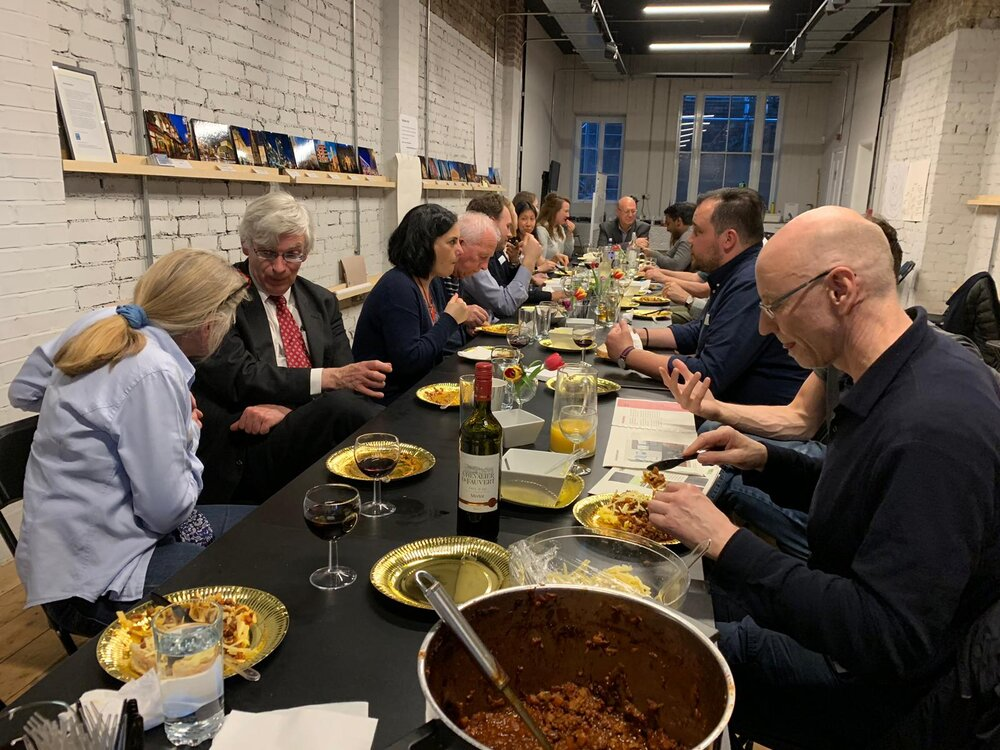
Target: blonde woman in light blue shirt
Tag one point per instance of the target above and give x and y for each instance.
(112, 479)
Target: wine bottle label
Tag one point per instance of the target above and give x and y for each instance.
(478, 482)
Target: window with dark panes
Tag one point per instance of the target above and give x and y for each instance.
(600, 149)
(727, 140)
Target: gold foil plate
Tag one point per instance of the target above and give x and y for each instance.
(547, 344)
(652, 314)
(466, 566)
(113, 647)
(605, 387)
(652, 299)
(535, 496)
(441, 395)
(413, 460)
(585, 510)
(497, 329)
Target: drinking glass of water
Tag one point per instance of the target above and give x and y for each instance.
(188, 642)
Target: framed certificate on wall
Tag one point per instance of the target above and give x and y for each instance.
(81, 111)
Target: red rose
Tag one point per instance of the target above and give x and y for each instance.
(554, 361)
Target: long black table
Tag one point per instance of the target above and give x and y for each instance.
(355, 644)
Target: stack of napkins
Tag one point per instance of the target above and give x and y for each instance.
(304, 728)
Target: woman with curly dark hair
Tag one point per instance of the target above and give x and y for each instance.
(406, 320)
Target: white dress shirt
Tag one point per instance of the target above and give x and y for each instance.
(271, 310)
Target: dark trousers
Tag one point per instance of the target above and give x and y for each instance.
(789, 697)
(248, 469)
(80, 617)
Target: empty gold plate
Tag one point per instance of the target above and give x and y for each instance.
(535, 496)
(413, 460)
(466, 566)
(604, 386)
(442, 395)
(113, 647)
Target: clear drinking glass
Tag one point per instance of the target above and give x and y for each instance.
(376, 454)
(526, 321)
(544, 312)
(188, 642)
(503, 357)
(577, 423)
(331, 511)
(583, 336)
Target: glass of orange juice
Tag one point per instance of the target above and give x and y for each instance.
(574, 412)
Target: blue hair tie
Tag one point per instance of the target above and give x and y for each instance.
(134, 315)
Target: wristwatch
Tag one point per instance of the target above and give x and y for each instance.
(689, 301)
(624, 355)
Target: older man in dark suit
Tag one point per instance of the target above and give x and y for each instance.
(283, 388)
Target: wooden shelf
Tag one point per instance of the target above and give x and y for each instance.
(470, 187)
(339, 179)
(985, 200)
(131, 165)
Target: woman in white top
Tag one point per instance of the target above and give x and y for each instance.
(554, 228)
(112, 480)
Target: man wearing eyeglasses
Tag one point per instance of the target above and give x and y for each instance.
(283, 388)
(744, 365)
(903, 530)
(625, 228)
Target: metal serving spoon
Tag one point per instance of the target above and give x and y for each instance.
(247, 673)
(445, 606)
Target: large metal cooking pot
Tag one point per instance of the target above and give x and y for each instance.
(540, 635)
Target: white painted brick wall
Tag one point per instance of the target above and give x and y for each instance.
(69, 246)
(942, 106)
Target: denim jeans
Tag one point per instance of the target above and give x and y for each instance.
(785, 525)
(78, 616)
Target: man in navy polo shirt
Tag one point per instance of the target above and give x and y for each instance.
(904, 509)
(743, 365)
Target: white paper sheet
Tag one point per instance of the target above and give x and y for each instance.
(916, 190)
(409, 184)
(894, 189)
(304, 728)
(646, 431)
(409, 135)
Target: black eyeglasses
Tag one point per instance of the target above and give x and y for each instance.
(769, 309)
(293, 258)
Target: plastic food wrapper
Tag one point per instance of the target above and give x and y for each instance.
(600, 560)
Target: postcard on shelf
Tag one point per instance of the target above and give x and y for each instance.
(305, 152)
(366, 160)
(444, 171)
(453, 174)
(259, 140)
(432, 170)
(278, 148)
(326, 155)
(423, 168)
(81, 110)
(169, 134)
(243, 143)
(348, 158)
(213, 141)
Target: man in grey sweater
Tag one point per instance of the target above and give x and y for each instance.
(677, 219)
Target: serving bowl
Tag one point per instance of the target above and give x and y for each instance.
(545, 636)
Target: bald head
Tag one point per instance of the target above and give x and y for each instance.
(825, 238)
(626, 212)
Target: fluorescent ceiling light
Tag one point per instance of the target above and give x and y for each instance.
(698, 10)
(699, 47)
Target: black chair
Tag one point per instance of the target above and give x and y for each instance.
(15, 447)
(904, 271)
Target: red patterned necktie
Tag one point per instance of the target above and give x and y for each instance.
(291, 336)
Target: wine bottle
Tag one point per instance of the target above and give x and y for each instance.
(480, 441)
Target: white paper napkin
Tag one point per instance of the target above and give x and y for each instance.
(145, 690)
(303, 728)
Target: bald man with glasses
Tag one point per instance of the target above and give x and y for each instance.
(283, 388)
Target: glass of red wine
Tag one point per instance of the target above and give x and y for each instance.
(584, 336)
(330, 511)
(376, 454)
(520, 335)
